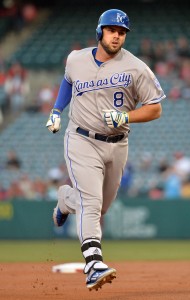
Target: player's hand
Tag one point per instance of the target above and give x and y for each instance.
(114, 118)
(54, 121)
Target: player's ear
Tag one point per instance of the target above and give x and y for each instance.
(103, 27)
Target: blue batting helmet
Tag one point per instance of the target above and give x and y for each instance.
(112, 17)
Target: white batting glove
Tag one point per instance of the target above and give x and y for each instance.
(114, 118)
(54, 121)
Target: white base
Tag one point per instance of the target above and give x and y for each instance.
(68, 268)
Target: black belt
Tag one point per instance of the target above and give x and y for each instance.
(100, 137)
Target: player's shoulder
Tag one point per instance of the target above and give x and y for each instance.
(75, 54)
(134, 60)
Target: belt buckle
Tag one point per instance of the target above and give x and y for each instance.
(107, 140)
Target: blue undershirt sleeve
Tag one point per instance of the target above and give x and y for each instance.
(64, 95)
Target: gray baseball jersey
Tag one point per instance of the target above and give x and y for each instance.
(120, 83)
(95, 167)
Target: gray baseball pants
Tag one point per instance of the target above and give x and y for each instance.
(95, 169)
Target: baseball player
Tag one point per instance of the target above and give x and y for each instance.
(103, 85)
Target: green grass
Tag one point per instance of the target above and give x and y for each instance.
(67, 251)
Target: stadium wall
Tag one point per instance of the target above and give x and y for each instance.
(136, 219)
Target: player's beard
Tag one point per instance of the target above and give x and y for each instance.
(108, 49)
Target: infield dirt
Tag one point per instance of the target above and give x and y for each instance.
(135, 281)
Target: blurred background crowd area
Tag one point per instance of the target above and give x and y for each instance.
(35, 39)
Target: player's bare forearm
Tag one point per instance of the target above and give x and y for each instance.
(145, 113)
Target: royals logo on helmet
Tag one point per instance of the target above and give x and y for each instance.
(120, 18)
